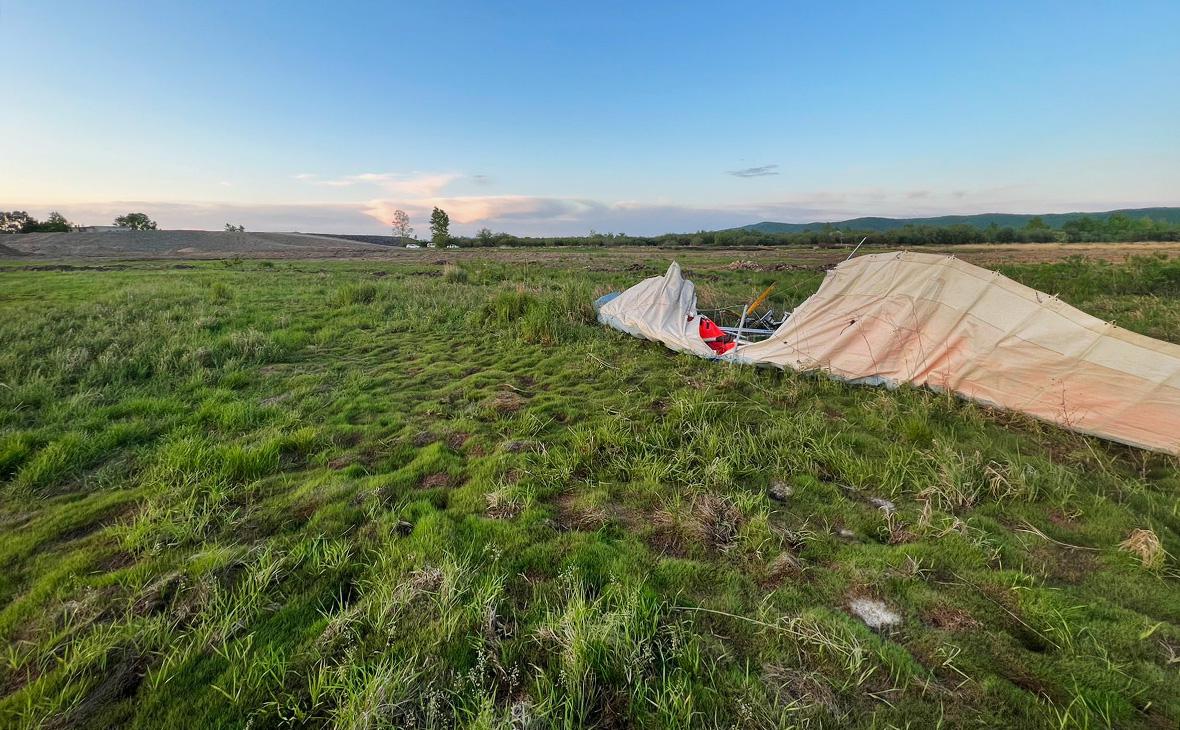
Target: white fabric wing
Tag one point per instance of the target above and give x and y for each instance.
(937, 321)
(662, 308)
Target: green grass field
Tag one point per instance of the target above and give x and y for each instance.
(402, 494)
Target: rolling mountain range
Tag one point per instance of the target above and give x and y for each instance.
(980, 220)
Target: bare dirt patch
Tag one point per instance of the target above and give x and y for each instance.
(573, 516)
(949, 618)
(507, 402)
(436, 481)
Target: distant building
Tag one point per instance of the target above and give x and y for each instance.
(451, 245)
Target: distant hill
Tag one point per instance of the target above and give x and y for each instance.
(981, 220)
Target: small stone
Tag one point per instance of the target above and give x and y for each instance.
(403, 528)
(883, 504)
(780, 491)
(846, 534)
(874, 613)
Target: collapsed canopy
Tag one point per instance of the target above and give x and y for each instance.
(938, 321)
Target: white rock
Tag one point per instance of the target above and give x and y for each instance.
(781, 491)
(874, 613)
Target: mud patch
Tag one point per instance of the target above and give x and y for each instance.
(441, 480)
(507, 402)
(521, 446)
(1068, 566)
(950, 618)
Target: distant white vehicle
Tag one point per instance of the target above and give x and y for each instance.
(451, 245)
(412, 245)
(431, 245)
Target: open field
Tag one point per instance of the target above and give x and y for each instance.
(428, 490)
(185, 245)
(182, 245)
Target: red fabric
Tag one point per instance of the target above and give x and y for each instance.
(714, 337)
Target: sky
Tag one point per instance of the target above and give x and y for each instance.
(544, 118)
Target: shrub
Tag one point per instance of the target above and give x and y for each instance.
(219, 290)
(543, 319)
(355, 294)
(507, 306)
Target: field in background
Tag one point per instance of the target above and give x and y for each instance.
(186, 245)
(429, 490)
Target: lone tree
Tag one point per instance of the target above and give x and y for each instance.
(440, 224)
(401, 224)
(56, 223)
(136, 222)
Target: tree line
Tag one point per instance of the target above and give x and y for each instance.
(1117, 227)
(19, 221)
(1114, 228)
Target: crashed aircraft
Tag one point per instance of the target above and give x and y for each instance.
(937, 321)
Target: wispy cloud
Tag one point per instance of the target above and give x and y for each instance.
(412, 184)
(762, 171)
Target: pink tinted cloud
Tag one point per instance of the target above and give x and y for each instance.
(410, 185)
(488, 208)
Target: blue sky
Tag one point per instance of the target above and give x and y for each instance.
(541, 117)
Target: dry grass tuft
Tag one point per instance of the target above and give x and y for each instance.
(807, 689)
(501, 505)
(781, 568)
(710, 519)
(507, 402)
(718, 520)
(1145, 544)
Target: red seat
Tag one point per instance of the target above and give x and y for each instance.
(715, 338)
